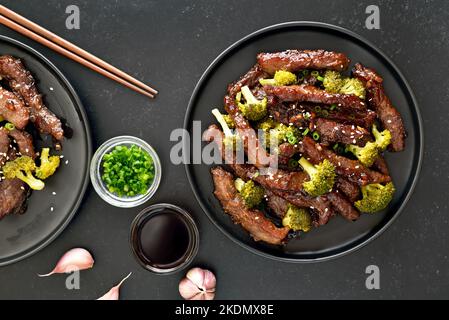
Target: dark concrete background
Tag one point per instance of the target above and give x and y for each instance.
(169, 44)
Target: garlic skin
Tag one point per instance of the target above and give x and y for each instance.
(114, 293)
(76, 259)
(199, 284)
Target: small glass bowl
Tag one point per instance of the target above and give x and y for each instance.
(194, 237)
(99, 185)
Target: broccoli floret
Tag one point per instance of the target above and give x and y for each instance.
(353, 86)
(383, 139)
(369, 153)
(251, 193)
(279, 132)
(332, 81)
(253, 109)
(49, 164)
(230, 140)
(22, 168)
(322, 177)
(267, 124)
(281, 78)
(297, 219)
(376, 197)
(229, 121)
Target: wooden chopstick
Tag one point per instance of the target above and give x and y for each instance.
(31, 30)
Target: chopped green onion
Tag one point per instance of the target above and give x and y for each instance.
(292, 163)
(305, 73)
(325, 113)
(316, 136)
(305, 132)
(127, 171)
(307, 116)
(317, 109)
(291, 138)
(315, 73)
(299, 79)
(9, 126)
(333, 107)
(320, 78)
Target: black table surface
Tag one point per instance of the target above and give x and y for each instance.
(169, 44)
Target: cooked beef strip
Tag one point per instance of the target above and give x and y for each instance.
(377, 99)
(321, 210)
(289, 114)
(350, 189)
(286, 151)
(13, 193)
(381, 165)
(353, 170)
(253, 147)
(313, 94)
(4, 146)
(250, 79)
(13, 109)
(343, 206)
(13, 197)
(331, 131)
(24, 142)
(22, 83)
(296, 60)
(295, 113)
(252, 220)
(277, 204)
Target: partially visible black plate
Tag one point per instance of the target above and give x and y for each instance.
(48, 214)
(338, 237)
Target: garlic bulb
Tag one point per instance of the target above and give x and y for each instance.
(199, 284)
(73, 260)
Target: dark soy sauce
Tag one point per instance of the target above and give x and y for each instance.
(163, 239)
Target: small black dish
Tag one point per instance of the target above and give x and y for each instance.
(338, 237)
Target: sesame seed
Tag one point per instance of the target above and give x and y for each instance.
(51, 89)
(53, 193)
(67, 162)
(52, 209)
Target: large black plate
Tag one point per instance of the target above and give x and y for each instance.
(338, 236)
(22, 236)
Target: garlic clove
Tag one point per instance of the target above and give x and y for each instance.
(199, 284)
(114, 293)
(75, 259)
